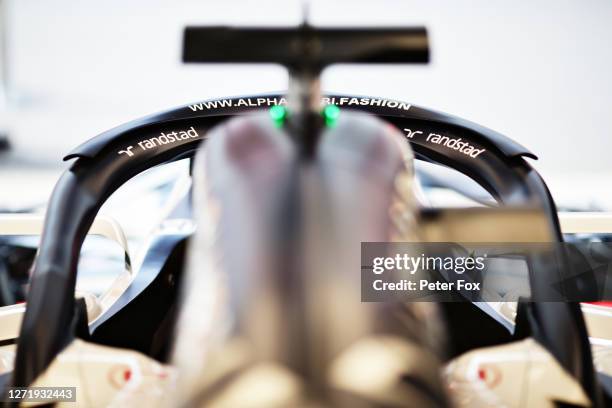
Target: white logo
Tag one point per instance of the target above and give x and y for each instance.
(411, 133)
(128, 151)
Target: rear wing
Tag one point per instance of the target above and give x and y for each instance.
(305, 51)
(305, 46)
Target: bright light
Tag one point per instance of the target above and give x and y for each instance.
(278, 114)
(331, 114)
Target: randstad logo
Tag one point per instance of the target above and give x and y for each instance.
(164, 138)
(127, 151)
(455, 144)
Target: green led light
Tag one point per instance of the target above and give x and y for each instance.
(278, 114)
(331, 114)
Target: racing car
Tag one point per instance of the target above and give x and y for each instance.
(249, 291)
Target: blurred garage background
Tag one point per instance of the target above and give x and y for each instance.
(538, 72)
